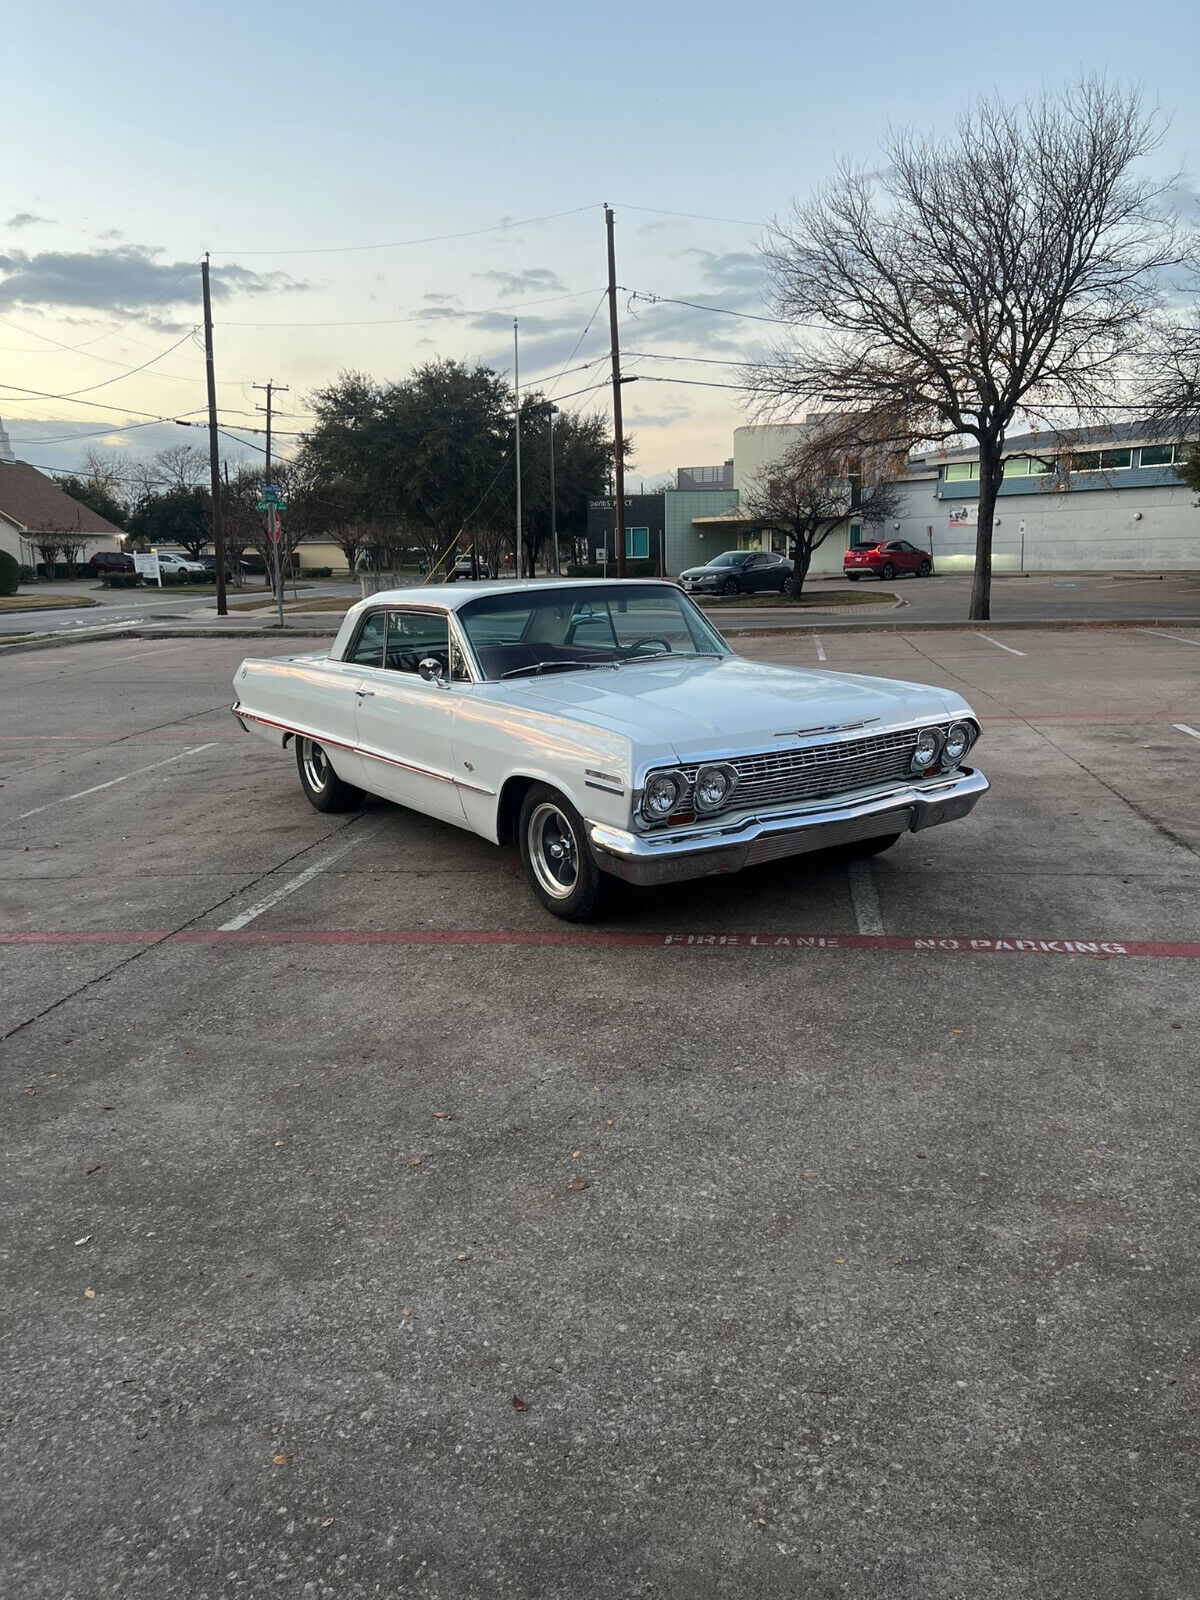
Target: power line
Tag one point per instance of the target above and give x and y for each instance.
(104, 383)
(724, 311)
(443, 315)
(404, 244)
(696, 216)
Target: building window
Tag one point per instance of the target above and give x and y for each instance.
(961, 471)
(1102, 461)
(1162, 455)
(1018, 467)
(637, 544)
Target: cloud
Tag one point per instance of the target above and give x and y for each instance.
(533, 280)
(25, 219)
(738, 274)
(124, 280)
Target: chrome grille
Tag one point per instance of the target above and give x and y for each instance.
(814, 772)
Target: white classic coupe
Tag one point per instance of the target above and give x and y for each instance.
(609, 732)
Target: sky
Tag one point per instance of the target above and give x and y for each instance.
(379, 184)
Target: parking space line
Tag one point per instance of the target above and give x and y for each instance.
(1183, 728)
(1000, 646)
(112, 782)
(599, 938)
(820, 648)
(864, 899)
(236, 924)
(1178, 638)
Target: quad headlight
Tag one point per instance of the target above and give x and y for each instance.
(959, 738)
(714, 787)
(928, 749)
(661, 795)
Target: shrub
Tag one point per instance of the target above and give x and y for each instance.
(119, 580)
(314, 572)
(28, 575)
(10, 573)
(633, 569)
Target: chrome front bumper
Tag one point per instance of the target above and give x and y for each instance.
(651, 858)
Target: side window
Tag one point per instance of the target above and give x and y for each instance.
(414, 635)
(368, 647)
(758, 561)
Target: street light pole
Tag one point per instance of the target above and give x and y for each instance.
(517, 393)
(556, 568)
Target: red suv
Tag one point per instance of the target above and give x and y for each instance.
(886, 560)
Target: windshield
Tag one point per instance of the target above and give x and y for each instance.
(540, 630)
(728, 558)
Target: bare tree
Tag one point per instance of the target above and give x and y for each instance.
(1014, 269)
(1171, 380)
(47, 544)
(820, 483)
(71, 547)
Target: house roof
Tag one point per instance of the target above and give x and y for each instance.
(1049, 440)
(36, 504)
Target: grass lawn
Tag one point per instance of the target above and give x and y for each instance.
(43, 602)
(839, 597)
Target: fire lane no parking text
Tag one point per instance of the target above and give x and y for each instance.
(589, 938)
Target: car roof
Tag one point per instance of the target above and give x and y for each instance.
(453, 596)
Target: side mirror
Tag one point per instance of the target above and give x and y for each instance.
(431, 670)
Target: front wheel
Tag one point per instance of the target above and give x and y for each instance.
(324, 789)
(924, 569)
(888, 573)
(558, 860)
(730, 586)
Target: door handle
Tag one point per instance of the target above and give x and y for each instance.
(364, 694)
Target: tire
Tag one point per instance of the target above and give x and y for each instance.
(888, 572)
(868, 847)
(321, 784)
(558, 860)
(731, 586)
(785, 586)
(852, 577)
(925, 569)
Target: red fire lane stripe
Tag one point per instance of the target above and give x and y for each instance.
(599, 938)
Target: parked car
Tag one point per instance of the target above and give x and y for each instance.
(609, 732)
(102, 561)
(886, 560)
(171, 564)
(462, 569)
(739, 572)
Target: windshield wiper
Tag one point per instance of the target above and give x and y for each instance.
(535, 667)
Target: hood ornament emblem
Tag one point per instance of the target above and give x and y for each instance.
(835, 727)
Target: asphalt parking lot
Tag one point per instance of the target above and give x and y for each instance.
(824, 1231)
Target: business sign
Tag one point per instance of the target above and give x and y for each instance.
(147, 566)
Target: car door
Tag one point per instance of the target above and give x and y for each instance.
(756, 573)
(404, 722)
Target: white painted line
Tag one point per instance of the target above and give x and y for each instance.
(112, 782)
(1178, 638)
(1000, 646)
(820, 648)
(864, 898)
(235, 924)
(1183, 728)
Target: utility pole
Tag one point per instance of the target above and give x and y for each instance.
(618, 430)
(517, 392)
(273, 388)
(214, 458)
(555, 567)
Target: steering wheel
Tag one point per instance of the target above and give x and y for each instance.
(650, 638)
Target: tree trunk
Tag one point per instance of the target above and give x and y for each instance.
(991, 472)
(801, 563)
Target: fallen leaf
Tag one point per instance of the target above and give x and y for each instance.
(839, 1261)
(808, 1174)
(327, 1523)
(955, 1030)
(579, 1185)
(280, 1461)
(608, 1122)
(519, 1404)
(405, 1312)
(87, 1239)
(278, 1144)
(414, 1161)
(575, 1154)
(89, 1294)
(442, 1116)
(464, 1257)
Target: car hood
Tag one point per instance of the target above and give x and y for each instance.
(709, 572)
(698, 708)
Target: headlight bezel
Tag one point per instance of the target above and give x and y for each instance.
(731, 774)
(933, 740)
(969, 735)
(667, 774)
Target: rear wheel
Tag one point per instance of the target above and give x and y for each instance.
(853, 577)
(558, 860)
(785, 584)
(320, 782)
(888, 572)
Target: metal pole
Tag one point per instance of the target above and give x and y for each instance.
(555, 567)
(214, 458)
(618, 429)
(270, 388)
(517, 393)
